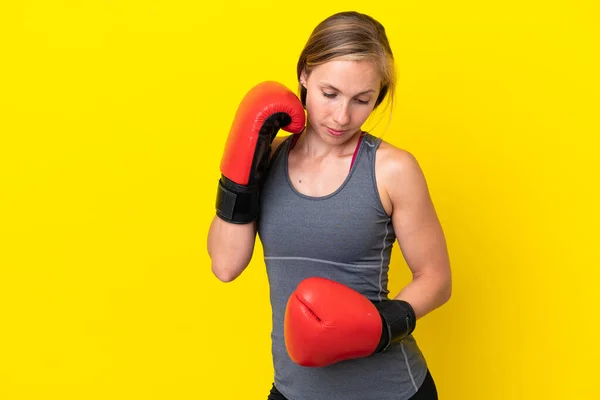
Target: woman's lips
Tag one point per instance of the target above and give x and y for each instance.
(334, 132)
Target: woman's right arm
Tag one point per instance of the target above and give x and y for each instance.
(262, 112)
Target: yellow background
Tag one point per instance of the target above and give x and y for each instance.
(113, 116)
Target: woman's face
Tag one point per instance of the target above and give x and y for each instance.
(340, 97)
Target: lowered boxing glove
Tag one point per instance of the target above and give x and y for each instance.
(327, 322)
(264, 110)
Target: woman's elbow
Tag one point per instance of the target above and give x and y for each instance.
(446, 292)
(224, 274)
(227, 269)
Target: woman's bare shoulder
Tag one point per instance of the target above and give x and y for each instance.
(393, 160)
(399, 177)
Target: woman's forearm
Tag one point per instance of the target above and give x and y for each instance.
(426, 292)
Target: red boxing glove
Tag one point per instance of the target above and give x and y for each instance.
(327, 322)
(266, 108)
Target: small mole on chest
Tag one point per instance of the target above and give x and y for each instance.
(299, 180)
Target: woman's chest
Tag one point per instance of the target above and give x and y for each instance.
(329, 228)
(318, 178)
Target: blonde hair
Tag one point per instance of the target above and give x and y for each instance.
(350, 35)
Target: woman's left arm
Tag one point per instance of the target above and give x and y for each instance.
(418, 230)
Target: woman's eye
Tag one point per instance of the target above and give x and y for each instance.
(333, 95)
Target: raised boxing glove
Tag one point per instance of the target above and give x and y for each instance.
(327, 322)
(264, 110)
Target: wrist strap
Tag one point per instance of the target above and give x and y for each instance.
(236, 203)
(398, 319)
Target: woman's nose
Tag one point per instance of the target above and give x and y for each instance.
(342, 115)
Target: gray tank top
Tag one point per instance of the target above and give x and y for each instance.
(347, 237)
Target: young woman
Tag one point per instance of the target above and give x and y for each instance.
(328, 202)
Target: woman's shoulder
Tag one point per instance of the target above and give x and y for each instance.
(394, 160)
(399, 176)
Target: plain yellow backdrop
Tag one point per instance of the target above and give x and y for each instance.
(113, 117)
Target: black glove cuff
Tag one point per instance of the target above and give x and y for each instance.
(235, 203)
(398, 319)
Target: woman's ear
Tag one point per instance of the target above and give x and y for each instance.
(303, 77)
